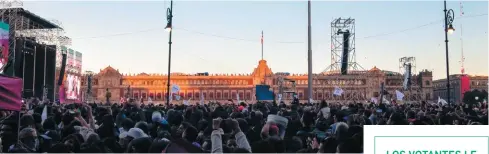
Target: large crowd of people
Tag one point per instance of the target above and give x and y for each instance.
(216, 127)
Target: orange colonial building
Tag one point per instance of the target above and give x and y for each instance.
(357, 85)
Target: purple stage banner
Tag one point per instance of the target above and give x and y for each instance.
(10, 93)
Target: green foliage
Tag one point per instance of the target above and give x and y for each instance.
(470, 96)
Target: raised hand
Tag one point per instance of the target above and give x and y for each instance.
(216, 123)
(235, 125)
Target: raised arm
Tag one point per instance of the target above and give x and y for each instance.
(216, 136)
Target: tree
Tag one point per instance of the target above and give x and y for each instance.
(474, 96)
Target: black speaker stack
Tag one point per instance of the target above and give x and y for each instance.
(345, 53)
(35, 63)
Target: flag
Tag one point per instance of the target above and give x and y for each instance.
(384, 100)
(44, 114)
(337, 91)
(10, 93)
(175, 88)
(461, 9)
(170, 96)
(185, 102)
(177, 97)
(399, 95)
(262, 37)
(279, 98)
(122, 100)
(150, 101)
(441, 101)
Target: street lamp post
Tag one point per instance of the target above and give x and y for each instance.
(169, 17)
(449, 16)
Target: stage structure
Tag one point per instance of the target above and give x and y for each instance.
(407, 60)
(286, 87)
(33, 43)
(343, 52)
(88, 95)
(412, 83)
(8, 14)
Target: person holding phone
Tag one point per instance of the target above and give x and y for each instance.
(216, 136)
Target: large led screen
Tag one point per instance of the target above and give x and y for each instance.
(72, 87)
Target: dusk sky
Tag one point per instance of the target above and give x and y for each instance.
(224, 36)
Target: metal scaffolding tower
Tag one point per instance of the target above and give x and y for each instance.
(403, 63)
(343, 39)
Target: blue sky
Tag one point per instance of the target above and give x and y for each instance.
(196, 47)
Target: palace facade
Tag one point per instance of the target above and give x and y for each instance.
(357, 85)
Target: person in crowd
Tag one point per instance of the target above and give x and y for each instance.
(214, 127)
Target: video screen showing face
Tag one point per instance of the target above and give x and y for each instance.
(73, 86)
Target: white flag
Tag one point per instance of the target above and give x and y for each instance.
(150, 101)
(185, 102)
(399, 95)
(337, 91)
(279, 98)
(177, 97)
(175, 88)
(442, 101)
(311, 100)
(384, 100)
(170, 96)
(44, 114)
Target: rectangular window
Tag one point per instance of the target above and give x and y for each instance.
(218, 95)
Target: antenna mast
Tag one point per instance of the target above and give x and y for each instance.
(462, 60)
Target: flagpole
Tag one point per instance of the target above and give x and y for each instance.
(309, 53)
(262, 45)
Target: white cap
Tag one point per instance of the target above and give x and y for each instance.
(134, 133)
(156, 117)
